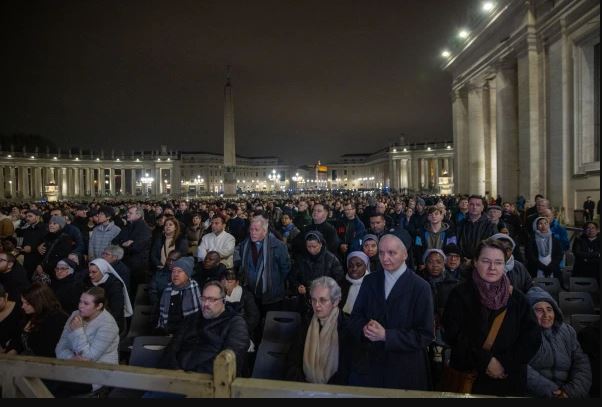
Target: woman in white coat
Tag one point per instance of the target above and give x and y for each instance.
(90, 333)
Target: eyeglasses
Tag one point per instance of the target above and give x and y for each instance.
(321, 301)
(211, 300)
(61, 268)
(496, 263)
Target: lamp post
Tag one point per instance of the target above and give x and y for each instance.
(147, 182)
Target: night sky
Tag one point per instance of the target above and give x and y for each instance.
(312, 79)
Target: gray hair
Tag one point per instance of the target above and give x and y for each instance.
(139, 210)
(331, 284)
(263, 221)
(115, 250)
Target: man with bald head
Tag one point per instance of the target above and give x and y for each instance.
(391, 324)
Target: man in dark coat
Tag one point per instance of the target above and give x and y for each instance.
(32, 237)
(13, 277)
(135, 239)
(474, 228)
(319, 216)
(203, 335)
(586, 249)
(588, 207)
(392, 321)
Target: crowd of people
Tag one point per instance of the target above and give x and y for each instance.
(382, 282)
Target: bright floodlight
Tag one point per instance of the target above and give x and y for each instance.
(488, 6)
(445, 53)
(463, 34)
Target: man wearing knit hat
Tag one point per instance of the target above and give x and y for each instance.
(453, 261)
(180, 298)
(32, 237)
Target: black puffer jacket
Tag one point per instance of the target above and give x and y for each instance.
(198, 341)
(587, 257)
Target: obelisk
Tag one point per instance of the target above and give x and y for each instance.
(229, 145)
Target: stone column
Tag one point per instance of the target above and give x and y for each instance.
(25, 182)
(531, 144)
(437, 174)
(424, 175)
(2, 181)
(111, 181)
(507, 133)
(476, 142)
(460, 129)
(82, 181)
(156, 175)
(489, 101)
(133, 182)
(90, 181)
(415, 173)
(404, 181)
(12, 180)
(38, 182)
(64, 183)
(76, 182)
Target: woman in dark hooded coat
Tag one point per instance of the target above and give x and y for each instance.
(560, 368)
(316, 261)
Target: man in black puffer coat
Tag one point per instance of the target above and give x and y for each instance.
(203, 335)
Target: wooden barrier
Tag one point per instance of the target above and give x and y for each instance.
(21, 376)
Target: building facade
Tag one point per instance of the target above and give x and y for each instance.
(525, 99)
(26, 176)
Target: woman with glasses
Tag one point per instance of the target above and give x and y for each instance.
(67, 285)
(320, 353)
(55, 245)
(471, 310)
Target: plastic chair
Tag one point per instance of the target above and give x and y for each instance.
(588, 285)
(566, 273)
(148, 350)
(270, 362)
(141, 321)
(575, 303)
(281, 326)
(550, 284)
(140, 325)
(580, 321)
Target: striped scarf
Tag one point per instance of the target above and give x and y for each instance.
(191, 300)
